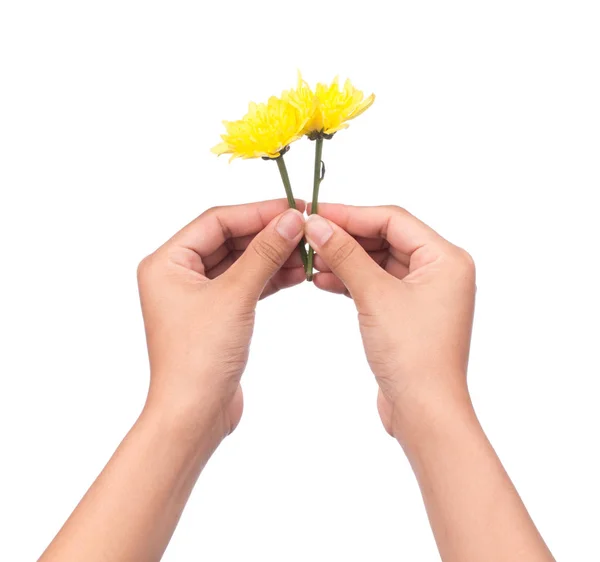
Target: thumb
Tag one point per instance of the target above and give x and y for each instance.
(267, 252)
(344, 255)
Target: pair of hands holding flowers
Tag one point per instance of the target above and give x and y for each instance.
(413, 290)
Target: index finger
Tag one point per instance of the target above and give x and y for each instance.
(211, 229)
(403, 231)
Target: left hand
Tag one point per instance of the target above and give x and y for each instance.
(199, 292)
(415, 296)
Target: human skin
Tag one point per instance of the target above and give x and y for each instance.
(198, 293)
(415, 296)
(414, 292)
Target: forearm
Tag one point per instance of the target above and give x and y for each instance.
(474, 509)
(131, 510)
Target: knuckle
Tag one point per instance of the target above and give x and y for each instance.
(467, 259)
(144, 267)
(341, 255)
(213, 210)
(396, 209)
(465, 263)
(268, 252)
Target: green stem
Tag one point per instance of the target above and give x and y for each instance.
(317, 179)
(285, 178)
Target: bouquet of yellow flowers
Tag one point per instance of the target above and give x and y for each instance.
(268, 129)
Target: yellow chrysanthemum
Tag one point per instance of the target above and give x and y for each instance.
(328, 108)
(265, 131)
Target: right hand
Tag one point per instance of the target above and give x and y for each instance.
(415, 294)
(199, 293)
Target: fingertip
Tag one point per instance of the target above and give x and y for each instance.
(292, 276)
(320, 264)
(318, 231)
(324, 207)
(295, 260)
(290, 224)
(300, 205)
(284, 279)
(327, 281)
(328, 210)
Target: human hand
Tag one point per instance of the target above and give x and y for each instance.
(415, 295)
(198, 294)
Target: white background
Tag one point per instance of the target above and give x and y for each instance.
(486, 126)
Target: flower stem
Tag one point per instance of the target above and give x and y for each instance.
(317, 179)
(285, 178)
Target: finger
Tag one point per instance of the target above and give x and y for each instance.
(240, 242)
(384, 259)
(396, 268)
(267, 253)
(372, 244)
(231, 244)
(344, 255)
(213, 228)
(212, 260)
(330, 283)
(284, 279)
(402, 230)
(238, 245)
(380, 257)
(295, 260)
(223, 265)
(218, 269)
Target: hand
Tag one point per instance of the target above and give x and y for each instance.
(415, 295)
(199, 292)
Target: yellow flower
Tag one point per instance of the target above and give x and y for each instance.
(265, 131)
(328, 108)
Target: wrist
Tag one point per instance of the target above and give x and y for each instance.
(195, 401)
(198, 424)
(423, 418)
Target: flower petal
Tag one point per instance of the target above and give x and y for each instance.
(363, 106)
(221, 148)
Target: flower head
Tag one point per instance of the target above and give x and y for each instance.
(329, 107)
(265, 131)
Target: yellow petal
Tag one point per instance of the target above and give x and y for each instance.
(252, 108)
(335, 129)
(363, 106)
(221, 148)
